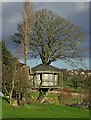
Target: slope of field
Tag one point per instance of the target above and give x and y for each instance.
(42, 111)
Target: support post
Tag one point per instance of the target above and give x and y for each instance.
(62, 81)
(43, 94)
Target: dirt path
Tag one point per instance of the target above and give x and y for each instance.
(64, 92)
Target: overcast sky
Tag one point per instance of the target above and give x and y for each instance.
(76, 12)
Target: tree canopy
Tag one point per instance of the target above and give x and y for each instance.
(6, 55)
(52, 38)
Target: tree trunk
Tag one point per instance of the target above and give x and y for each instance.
(11, 92)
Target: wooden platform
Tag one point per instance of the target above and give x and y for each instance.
(54, 87)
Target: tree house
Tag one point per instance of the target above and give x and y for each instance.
(45, 77)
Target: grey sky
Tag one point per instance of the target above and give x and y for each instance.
(76, 12)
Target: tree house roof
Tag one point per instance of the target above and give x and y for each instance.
(45, 68)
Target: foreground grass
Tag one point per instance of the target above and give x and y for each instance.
(42, 111)
(0, 108)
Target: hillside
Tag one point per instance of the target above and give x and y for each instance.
(42, 111)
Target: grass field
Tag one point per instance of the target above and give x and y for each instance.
(0, 108)
(42, 111)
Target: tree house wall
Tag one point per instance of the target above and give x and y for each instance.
(45, 79)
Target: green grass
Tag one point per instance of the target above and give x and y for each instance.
(0, 108)
(42, 111)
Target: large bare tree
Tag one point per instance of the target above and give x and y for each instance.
(52, 38)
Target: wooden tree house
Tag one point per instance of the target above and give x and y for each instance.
(45, 77)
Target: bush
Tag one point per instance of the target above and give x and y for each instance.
(64, 96)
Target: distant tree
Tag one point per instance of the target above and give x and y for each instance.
(52, 38)
(80, 80)
(74, 81)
